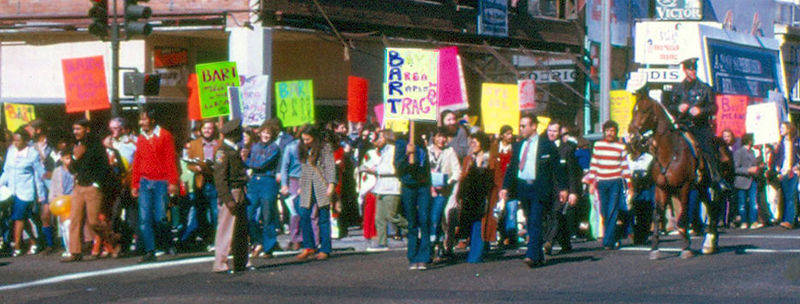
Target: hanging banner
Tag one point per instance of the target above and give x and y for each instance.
(295, 102)
(762, 120)
(731, 114)
(18, 115)
(255, 90)
(235, 103)
(452, 86)
(396, 125)
(357, 99)
(85, 84)
(493, 18)
(499, 106)
(621, 107)
(411, 88)
(213, 80)
(527, 94)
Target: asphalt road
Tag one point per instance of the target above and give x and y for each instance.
(754, 266)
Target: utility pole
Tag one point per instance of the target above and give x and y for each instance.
(605, 63)
(115, 106)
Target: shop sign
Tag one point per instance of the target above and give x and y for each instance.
(679, 10)
(169, 56)
(665, 42)
(662, 75)
(493, 18)
(742, 70)
(552, 76)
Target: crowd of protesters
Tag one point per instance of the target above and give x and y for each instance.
(234, 190)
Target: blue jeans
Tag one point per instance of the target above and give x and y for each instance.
(204, 204)
(476, 244)
(789, 190)
(152, 213)
(611, 202)
(747, 209)
(324, 223)
(439, 202)
(417, 205)
(262, 192)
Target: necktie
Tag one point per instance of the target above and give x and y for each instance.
(524, 155)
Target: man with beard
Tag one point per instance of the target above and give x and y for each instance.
(202, 151)
(460, 136)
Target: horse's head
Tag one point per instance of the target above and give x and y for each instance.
(643, 122)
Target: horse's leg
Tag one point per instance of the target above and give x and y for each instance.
(660, 198)
(712, 203)
(683, 221)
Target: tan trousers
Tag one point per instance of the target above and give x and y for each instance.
(87, 203)
(231, 235)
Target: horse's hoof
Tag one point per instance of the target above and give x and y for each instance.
(686, 254)
(655, 255)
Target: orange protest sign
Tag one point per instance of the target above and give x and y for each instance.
(85, 84)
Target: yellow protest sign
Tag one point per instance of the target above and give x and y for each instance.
(621, 107)
(18, 115)
(499, 106)
(396, 125)
(544, 121)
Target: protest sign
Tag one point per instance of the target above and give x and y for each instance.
(396, 125)
(213, 80)
(762, 120)
(357, 99)
(527, 94)
(235, 103)
(543, 122)
(452, 86)
(85, 84)
(411, 84)
(499, 106)
(194, 98)
(254, 92)
(621, 109)
(295, 102)
(18, 115)
(731, 114)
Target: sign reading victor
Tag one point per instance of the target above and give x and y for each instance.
(213, 80)
(493, 18)
(679, 10)
(411, 88)
(295, 102)
(742, 70)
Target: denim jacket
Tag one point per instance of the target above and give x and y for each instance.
(264, 158)
(290, 163)
(23, 174)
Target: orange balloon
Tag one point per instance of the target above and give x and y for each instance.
(61, 205)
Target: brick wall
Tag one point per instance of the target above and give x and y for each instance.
(72, 7)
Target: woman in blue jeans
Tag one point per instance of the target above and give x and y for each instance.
(262, 190)
(317, 181)
(445, 171)
(785, 163)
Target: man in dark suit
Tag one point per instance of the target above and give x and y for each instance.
(531, 178)
(557, 217)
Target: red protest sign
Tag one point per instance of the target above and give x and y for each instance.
(731, 114)
(452, 86)
(194, 98)
(357, 99)
(527, 94)
(85, 84)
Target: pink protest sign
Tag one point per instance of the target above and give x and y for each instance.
(731, 114)
(452, 86)
(527, 94)
(85, 84)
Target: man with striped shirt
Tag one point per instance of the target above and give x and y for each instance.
(607, 178)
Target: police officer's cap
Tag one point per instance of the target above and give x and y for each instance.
(690, 63)
(232, 127)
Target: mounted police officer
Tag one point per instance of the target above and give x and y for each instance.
(692, 106)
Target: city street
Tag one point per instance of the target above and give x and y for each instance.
(754, 266)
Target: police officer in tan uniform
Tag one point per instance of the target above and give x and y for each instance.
(230, 179)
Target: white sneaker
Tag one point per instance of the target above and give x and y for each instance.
(377, 249)
(414, 266)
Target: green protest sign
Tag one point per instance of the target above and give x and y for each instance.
(295, 102)
(213, 80)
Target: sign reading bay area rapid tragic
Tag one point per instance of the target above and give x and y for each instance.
(411, 89)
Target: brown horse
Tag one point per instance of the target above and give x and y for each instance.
(674, 170)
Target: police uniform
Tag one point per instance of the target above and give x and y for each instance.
(696, 93)
(230, 179)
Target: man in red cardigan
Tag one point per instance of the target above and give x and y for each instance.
(154, 175)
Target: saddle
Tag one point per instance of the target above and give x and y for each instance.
(694, 148)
